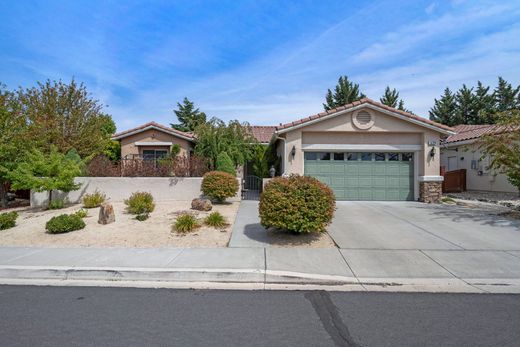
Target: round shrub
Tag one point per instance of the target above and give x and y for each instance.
(8, 220)
(140, 203)
(219, 185)
(297, 203)
(93, 200)
(64, 223)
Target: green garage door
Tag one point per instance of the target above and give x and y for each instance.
(364, 176)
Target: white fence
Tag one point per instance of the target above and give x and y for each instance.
(120, 188)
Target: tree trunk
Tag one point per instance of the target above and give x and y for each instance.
(3, 195)
(50, 199)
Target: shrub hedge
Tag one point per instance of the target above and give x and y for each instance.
(297, 203)
(94, 199)
(218, 185)
(64, 223)
(8, 220)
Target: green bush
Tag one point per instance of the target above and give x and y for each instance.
(94, 200)
(185, 223)
(297, 203)
(219, 185)
(64, 223)
(57, 204)
(8, 220)
(140, 203)
(81, 213)
(225, 164)
(215, 219)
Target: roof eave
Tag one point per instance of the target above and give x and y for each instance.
(119, 137)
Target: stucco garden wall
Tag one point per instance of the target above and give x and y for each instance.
(120, 188)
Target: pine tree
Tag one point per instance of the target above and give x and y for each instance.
(484, 104)
(391, 97)
(506, 97)
(225, 164)
(345, 92)
(189, 117)
(444, 109)
(465, 112)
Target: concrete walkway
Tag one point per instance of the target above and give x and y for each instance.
(269, 268)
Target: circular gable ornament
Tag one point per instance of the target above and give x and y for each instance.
(363, 119)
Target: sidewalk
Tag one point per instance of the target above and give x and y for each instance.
(266, 268)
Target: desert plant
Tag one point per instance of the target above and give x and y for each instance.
(219, 185)
(185, 223)
(225, 164)
(296, 203)
(64, 223)
(57, 204)
(140, 204)
(94, 199)
(8, 220)
(81, 213)
(215, 219)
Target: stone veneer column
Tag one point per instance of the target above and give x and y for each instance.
(430, 192)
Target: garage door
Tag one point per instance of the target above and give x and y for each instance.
(363, 176)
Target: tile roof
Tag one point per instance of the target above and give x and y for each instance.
(466, 132)
(152, 124)
(360, 102)
(263, 133)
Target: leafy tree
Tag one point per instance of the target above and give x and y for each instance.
(189, 117)
(225, 164)
(13, 127)
(444, 109)
(506, 97)
(215, 137)
(503, 146)
(345, 92)
(65, 116)
(45, 172)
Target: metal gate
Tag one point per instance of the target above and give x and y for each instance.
(251, 188)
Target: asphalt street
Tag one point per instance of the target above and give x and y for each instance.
(57, 316)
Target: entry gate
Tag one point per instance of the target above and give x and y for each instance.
(251, 188)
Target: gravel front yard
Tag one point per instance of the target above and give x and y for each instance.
(511, 200)
(125, 232)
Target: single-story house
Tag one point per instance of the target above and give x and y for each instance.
(461, 151)
(366, 151)
(153, 141)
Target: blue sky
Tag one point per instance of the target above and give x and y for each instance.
(264, 62)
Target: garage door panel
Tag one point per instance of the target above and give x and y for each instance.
(351, 169)
(352, 181)
(365, 182)
(393, 194)
(337, 182)
(406, 169)
(393, 169)
(364, 170)
(378, 169)
(338, 169)
(393, 182)
(379, 182)
(379, 194)
(365, 194)
(351, 194)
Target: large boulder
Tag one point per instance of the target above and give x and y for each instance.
(106, 214)
(201, 204)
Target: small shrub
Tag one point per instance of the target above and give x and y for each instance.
(93, 200)
(225, 164)
(81, 213)
(140, 203)
(8, 220)
(297, 203)
(219, 185)
(215, 219)
(57, 204)
(186, 223)
(64, 223)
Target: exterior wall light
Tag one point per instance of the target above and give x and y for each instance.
(432, 152)
(293, 151)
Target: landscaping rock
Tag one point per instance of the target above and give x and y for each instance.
(106, 214)
(201, 204)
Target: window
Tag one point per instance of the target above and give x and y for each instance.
(366, 156)
(311, 156)
(153, 154)
(323, 156)
(380, 156)
(407, 156)
(352, 156)
(393, 156)
(339, 156)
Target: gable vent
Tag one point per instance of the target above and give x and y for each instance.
(363, 117)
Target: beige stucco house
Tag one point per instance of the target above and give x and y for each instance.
(461, 151)
(366, 151)
(152, 141)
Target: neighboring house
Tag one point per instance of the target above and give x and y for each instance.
(153, 141)
(366, 151)
(461, 151)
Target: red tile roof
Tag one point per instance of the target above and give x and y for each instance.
(359, 102)
(466, 132)
(263, 133)
(152, 124)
